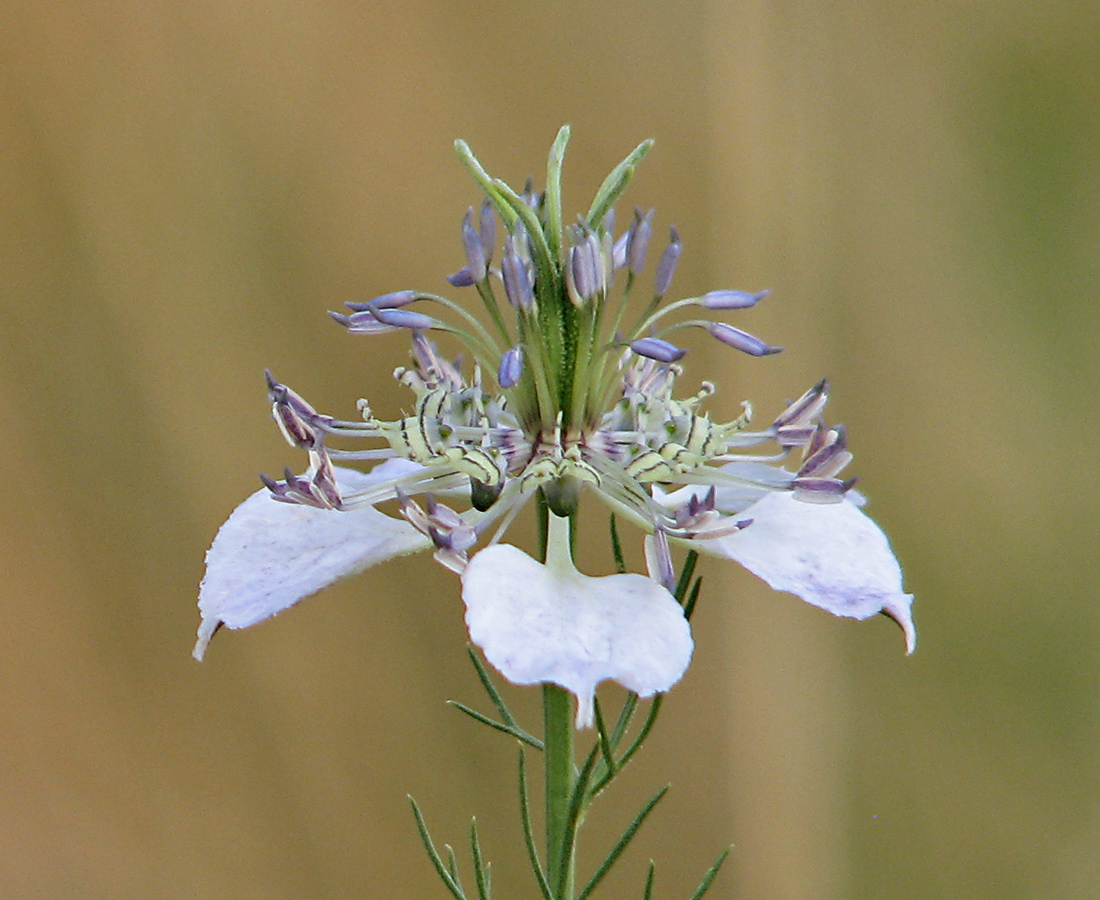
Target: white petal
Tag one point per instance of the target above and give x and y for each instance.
(539, 623)
(269, 554)
(831, 555)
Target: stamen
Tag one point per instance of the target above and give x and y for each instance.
(731, 299)
(795, 426)
(829, 457)
(462, 278)
(402, 318)
(517, 283)
(659, 560)
(297, 420)
(638, 240)
(487, 230)
(657, 349)
(475, 251)
(392, 300)
(666, 267)
(362, 323)
(738, 339)
(511, 368)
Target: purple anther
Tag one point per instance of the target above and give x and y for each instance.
(731, 299)
(655, 348)
(402, 318)
(583, 265)
(830, 455)
(638, 241)
(666, 266)
(618, 251)
(461, 278)
(296, 418)
(487, 230)
(475, 253)
(806, 407)
(394, 300)
(797, 425)
(741, 340)
(661, 560)
(362, 323)
(609, 222)
(511, 367)
(324, 481)
(821, 490)
(529, 196)
(517, 284)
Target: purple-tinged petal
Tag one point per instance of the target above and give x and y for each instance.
(655, 348)
(731, 299)
(832, 556)
(269, 555)
(741, 340)
(549, 623)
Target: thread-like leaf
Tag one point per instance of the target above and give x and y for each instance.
(685, 575)
(622, 843)
(479, 867)
(710, 875)
(649, 881)
(617, 548)
(433, 854)
(452, 866)
(577, 804)
(635, 746)
(689, 607)
(528, 832)
(625, 716)
(513, 730)
(604, 741)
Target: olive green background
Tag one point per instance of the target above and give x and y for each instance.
(188, 186)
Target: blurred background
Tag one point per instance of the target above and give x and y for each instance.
(187, 187)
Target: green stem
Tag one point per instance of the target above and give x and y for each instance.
(557, 711)
(560, 772)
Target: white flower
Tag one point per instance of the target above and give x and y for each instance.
(583, 402)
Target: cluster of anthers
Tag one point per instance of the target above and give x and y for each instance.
(568, 392)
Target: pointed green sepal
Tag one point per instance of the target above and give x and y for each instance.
(615, 183)
(553, 191)
(485, 182)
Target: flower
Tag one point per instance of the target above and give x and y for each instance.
(583, 403)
